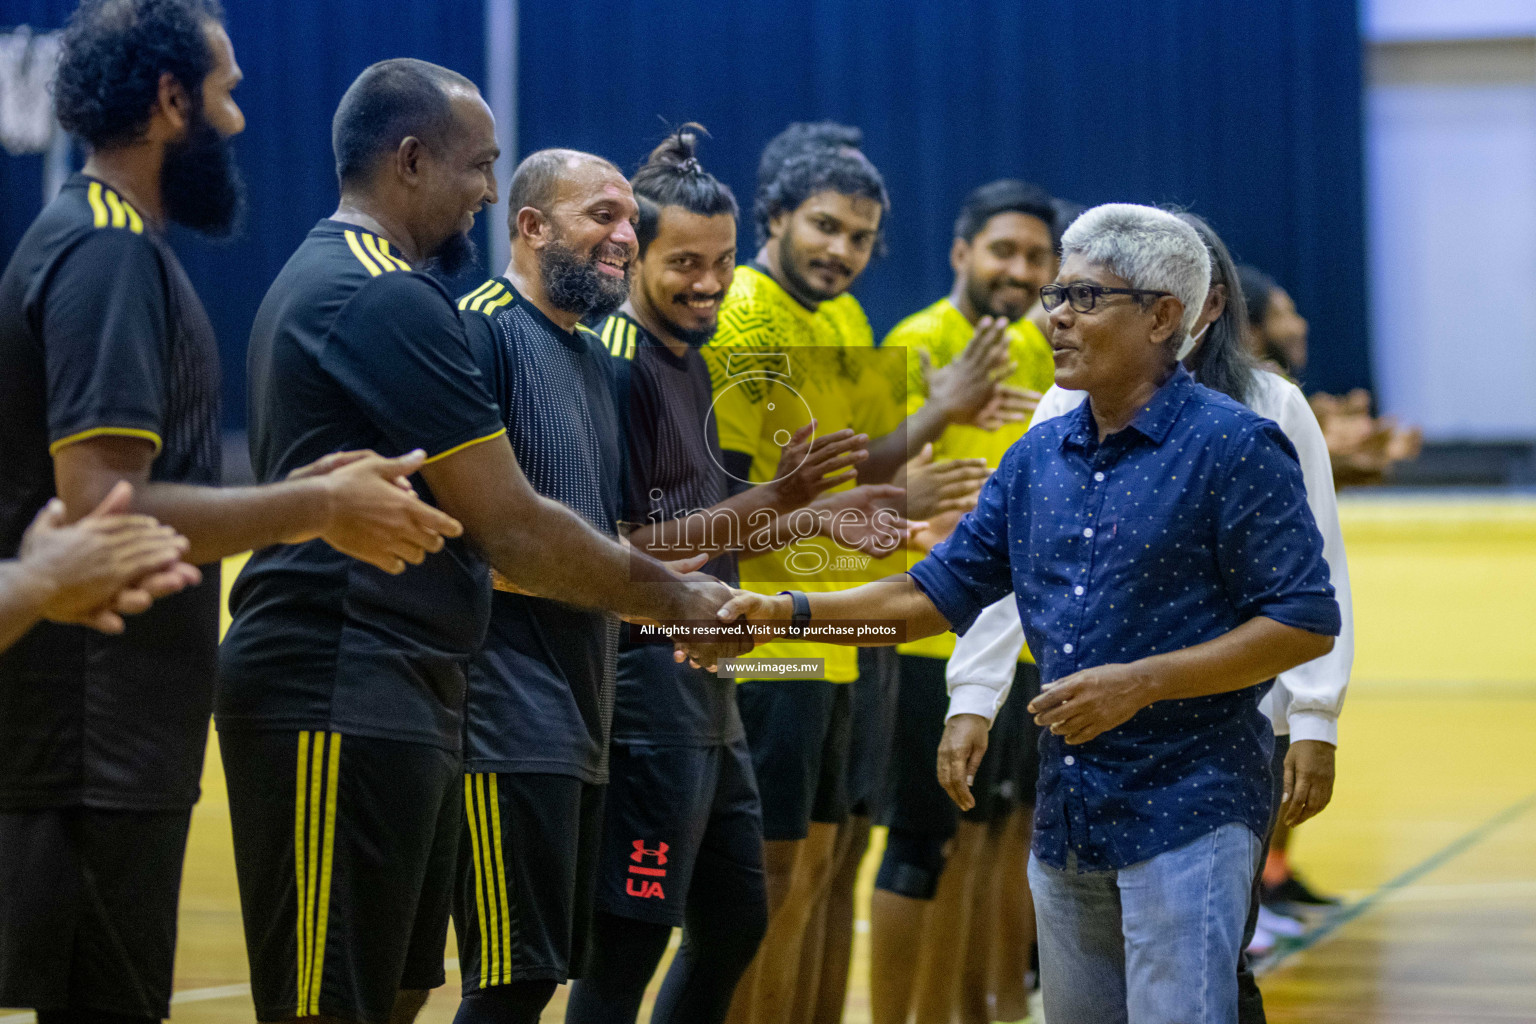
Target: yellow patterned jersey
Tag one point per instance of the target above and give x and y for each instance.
(774, 364)
(942, 331)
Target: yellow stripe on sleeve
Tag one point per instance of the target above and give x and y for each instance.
(98, 208)
(362, 257)
(495, 304)
(629, 348)
(372, 245)
(474, 849)
(496, 289)
(119, 215)
(389, 254)
(467, 444)
(327, 857)
(299, 866)
(83, 435)
(465, 301)
(501, 885)
(135, 222)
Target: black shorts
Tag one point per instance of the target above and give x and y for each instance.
(344, 850)
(873, 730)
(1016, 738)
(798, 732)
(88, 908)
(917, 802)
(680, 823)
(522, 907)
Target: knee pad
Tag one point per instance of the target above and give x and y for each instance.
(912, 864)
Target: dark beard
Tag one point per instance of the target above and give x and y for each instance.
(981, 298)
(574, 283)
(789, 263)
(200, 184)
(456, 253)
(691, 338)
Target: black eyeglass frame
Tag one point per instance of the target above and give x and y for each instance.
(1063, 293)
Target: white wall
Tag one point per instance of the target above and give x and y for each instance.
(1451, 193)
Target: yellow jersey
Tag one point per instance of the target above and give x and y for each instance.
(774, 364)
(942, 331)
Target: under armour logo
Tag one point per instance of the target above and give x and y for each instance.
(642, 852)
(644, 887)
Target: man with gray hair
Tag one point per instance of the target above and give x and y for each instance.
(1166, 568)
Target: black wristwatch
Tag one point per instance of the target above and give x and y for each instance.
(800, 616)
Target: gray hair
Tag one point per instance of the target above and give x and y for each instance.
(1150, 249)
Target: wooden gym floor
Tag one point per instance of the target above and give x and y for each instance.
(1431, 836)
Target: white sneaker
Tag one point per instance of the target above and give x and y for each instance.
(1279, 924)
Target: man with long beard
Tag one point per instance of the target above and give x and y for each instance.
(108, 373)
(541, 691)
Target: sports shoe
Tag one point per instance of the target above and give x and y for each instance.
(1294, 890)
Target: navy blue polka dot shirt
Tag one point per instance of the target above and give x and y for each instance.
(1169, 533)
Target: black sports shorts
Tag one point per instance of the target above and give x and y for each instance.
(522, 906)
(872, 725)
(344, 850)
(88, 908)
(798, 732)
(680, 823)
(917, 803)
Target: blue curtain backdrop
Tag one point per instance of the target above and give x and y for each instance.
(1249, 113)
(298, 56)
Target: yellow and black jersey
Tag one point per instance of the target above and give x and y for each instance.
(942, 331)
(352, 348)
(774, 365)
(102, 334)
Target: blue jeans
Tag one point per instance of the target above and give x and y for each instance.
(1153, 943)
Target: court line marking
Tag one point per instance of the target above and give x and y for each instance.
(1347, 913)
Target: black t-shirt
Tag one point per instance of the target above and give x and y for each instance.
(352, 349)
(101, 333)
(541, 691)
(673, 467)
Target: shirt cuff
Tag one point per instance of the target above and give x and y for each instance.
(947, 593)
(973, 699)
(1313, 725)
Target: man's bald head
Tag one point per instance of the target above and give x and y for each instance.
(389, 102)
(536, 182)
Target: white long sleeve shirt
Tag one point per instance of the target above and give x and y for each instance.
(1305, 701)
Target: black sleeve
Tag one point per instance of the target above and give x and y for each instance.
(398, 348)
(637, 414)
(105, 328)
(490, 357)
(739, 466)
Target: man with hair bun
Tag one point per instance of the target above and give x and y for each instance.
(683, 839)
(1154, 779)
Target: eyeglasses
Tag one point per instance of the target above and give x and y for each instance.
(1085, 296)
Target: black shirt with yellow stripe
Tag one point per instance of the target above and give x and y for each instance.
(351, 349)
(102, 334)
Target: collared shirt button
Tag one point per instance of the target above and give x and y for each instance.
(1069, 760)
(1078, 590)
(1066, 648)
(1099, 477)
(1087, 531)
